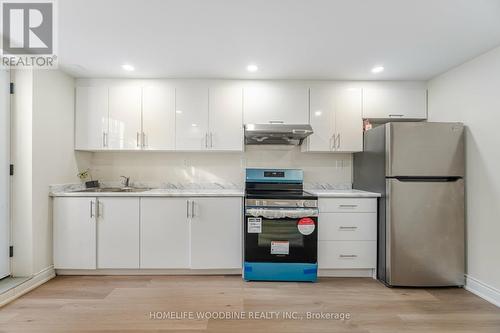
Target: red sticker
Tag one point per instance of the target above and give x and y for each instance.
(306, 226)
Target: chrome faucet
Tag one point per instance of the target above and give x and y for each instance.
(126, 181)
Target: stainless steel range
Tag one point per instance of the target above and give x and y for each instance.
(281, 227)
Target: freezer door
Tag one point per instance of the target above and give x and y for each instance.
(424, 149)
(425, 233)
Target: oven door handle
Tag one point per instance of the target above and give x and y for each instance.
(281, 213)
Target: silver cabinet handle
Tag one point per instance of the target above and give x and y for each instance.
(99, 209)
(192, 209)
(334, 141)
(106, 136)
(396, 115)
(338, 141)
(348, 227)
(211, 140)
(348, 256)
(92, 209)
(206, 140)
(103, 139)
(138, 140)
(276, 122)
(187, 208)
(348, 206)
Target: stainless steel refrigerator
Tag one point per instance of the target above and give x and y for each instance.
(419, 168)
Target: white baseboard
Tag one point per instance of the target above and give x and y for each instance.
(148, 271)
(35, 281)
(482, 290)
(322, 272)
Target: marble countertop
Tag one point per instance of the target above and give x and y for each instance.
(343, 193)
(157, 193)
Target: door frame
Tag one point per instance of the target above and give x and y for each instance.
(5, 150)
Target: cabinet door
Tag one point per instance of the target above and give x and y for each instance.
(322, 115)
(158, 117)
(91, 118)
(118, 233)
(276, 101)
(74, 233)
(164, 233)
(226, 117)
(125, 117)
(216, 233)
(191, 116)
(348, 121)
(389, 100)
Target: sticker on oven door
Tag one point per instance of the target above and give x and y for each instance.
(280, 247)
(254, 225)
(306, 226)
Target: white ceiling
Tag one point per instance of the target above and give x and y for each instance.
(289, 39)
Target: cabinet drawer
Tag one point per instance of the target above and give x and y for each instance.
(343, 205)
(352, 226)
(347, 254)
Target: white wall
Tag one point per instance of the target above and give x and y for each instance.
(43, 150)
(470, 93)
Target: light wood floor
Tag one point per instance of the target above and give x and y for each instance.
(124, 303)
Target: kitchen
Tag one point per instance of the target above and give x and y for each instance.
(153, 190)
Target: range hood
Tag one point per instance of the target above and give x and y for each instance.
(276, 134)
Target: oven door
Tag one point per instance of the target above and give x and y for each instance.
(285, 236)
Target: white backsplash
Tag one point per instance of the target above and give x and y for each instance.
(320, 169)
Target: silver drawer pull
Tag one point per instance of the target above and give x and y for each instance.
(348, 256)
(348, 206)
(347, 228)
(396, 115)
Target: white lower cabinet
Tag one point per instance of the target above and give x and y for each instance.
(118, 233)
(216, 233)
(197, 233)
(147, 233)
(74, 233)
(347, 236)
(164, 233)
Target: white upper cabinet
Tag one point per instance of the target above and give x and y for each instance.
(191, 118)
(276, 102)
(395, 100)
(91, 118)
(226, 117)
(125, 117)
(335, 113)
(348, 120)
(322, 119)
(158, 117)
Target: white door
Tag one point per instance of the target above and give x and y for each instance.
(118, 233)
(322, 115)
(276, 102)
(158, 117)
(226, 117)
(349, 121)
(216, 233)
(91, 118)
(164, 233)
(191, 116)
(74, 233)
(4, 173)
(125, 117)
(395, 100)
